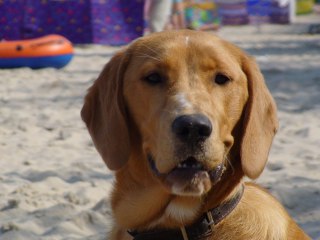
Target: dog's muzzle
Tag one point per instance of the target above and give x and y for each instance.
(190, 176)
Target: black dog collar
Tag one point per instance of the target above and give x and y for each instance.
(201, 229)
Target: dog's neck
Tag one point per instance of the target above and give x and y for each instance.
(203, 227)
(183, 212)
(146, 205)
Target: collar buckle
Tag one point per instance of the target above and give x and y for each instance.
(184, 233)
(211, 222)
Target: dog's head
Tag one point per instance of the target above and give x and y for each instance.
(184, 100)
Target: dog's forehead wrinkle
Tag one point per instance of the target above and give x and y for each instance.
(151, 48)
(162, 51)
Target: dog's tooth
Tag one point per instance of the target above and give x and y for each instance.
(185, 165)
(181, 165)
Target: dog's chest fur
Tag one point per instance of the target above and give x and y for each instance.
(177, 213)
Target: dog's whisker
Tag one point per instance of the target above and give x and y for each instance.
(227, 159)
(149, 48)
(148, 56)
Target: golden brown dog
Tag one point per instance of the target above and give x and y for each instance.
(182, 117)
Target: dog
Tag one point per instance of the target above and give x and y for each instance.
(182, 117)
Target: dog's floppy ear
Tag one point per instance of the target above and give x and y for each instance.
(104, 113)
(260, 121)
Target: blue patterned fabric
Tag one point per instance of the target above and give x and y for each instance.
(113, 22)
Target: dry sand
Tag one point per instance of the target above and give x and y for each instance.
(53, 184)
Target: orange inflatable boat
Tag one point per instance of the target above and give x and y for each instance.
(48, 51)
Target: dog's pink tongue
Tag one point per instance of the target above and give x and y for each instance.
(189, 180)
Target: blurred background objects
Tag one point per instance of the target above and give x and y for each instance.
(114, 22)
(158, 13)
(108, 22)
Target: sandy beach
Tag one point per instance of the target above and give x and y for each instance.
(53, 184)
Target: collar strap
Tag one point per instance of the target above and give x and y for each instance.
(201, 229)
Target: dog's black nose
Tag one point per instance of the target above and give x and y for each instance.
(192, 128)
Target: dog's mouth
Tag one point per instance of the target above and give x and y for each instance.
(189, 177)
(191, 163)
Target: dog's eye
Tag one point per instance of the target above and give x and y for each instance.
(154, 78)
(221, 79)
